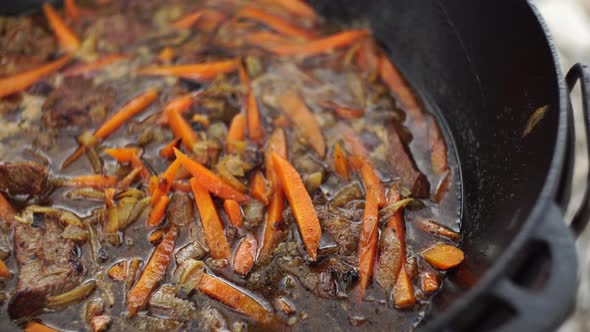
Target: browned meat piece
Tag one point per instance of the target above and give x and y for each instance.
(22, 178)
(47, 265)
(71, 105)
(180, 211)
(389, 259)
(403, 164)
(341, 230)
(23, 45)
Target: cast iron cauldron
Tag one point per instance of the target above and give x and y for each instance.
(485, 66)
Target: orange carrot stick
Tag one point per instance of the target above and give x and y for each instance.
(96, 181)
(443, 256)
(129, 110)
(368, 242)
(373, 183)
(122, 155)
(295, 7)
(152, 274)
(195, 72)
(209, 180)
(253, 120)
(429, 282)
(236, 132)
(301, 204)
(86, 69)
(403, 289)
(165, 181)
(168, 150)
(5, 272)
(344, 112)
(243, 259)
(260, 189)
(274, 22)
(71, 9)
(18, 82)
(277, 143)
(340, 163)
(292, 105)
(178, 104)
(129, 178)
(67, 39)
(234, 298)
(318, 46)
(7, 212)
(38, 327)
(181, 128)
(212, 225)
(181, 186)
(393, 79)
(234, 213)
(157, 212)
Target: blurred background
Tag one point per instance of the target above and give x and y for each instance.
(569, 23)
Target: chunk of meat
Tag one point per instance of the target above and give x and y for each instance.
(180, 211)
(22, 178)
(70, 105)
(345, 233)
(404, 165)
(23, 45)
(47, 265)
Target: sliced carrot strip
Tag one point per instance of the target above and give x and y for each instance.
(344, 112)
(18, 82)
(301, 204)
(166, 55)
(178, 105)
(260, 189)
(340, 163)
(393, 79)
(5, 272)
(209, 180)
(234, 213)
(318, 46)
(182, 186)
(253, 120)
(38, 327)
(152, 274)
(368, 242)
(274, 22)
(292, 105)
(243, 259)
(212, 225)
(403, 290)
(373, 183)
(96, 181)
(71, 9)
(86, 69)
(234, 298)
(129, 110)
(236, 132)
(156, 236)
(168, 150)
(157, 212)
(181, 128)
(277, 143)
(123, 155)
(152, 184)
(7, 212)
(295, 7)
(67, 39)
(195, 72)
(443, 256)
(165, 181)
